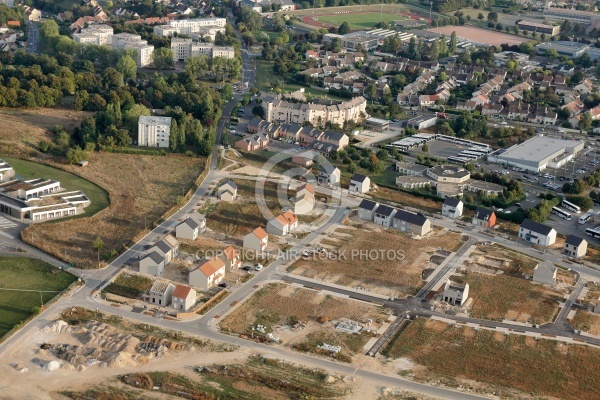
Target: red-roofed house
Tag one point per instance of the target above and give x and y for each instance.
(208, 274)
(184, 298)
(256, 240)
(231, 258)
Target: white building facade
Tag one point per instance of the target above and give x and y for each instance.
(154, 131)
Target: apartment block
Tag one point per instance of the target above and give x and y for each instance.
(184, 48)
(154, 131)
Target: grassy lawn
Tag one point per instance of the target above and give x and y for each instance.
(266, 77)
(537, 367)
(360, 21)
(129, 285)
(29, 170)
(26, 274)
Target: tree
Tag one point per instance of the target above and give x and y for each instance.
(196, 66)
(351, 168)
(132, 115)
(259, 111)
(76, 154)
(162, 58)
(344, 28)
(452, 47)
(251, 19)
(425, 148)
(585, 121)
(480, 16)
(492, 16)
(371, 91)
(127, 66)
(98, 244)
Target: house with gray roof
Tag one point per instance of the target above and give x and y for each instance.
(575, 246)
(537, 233)
(384, 215)
(545, 273)
(414, 224)
(191, 227)
(366, 209)
(360, 184)
(328, 174)
(452, 207)
(152, 264)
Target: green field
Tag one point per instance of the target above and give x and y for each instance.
(360, 21)
(29, 170)
(30, 274)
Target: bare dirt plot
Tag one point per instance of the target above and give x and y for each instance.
(503, 296)
(142, 188)
(21, 129)
(479, 35)
(243, 215)
(303, 318)
(389, 261)
(587, 321)
(540, 368)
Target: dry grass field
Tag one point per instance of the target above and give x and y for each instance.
(405, 199)
(394, 265)
(243, 215)
(141, 188)
(539, 368)
(499, 290)
(587, 321)
(503, 296)
(277, 306)
(21, 129)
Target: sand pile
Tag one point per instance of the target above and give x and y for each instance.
(56, 327)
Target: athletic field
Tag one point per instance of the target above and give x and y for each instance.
(358, 21)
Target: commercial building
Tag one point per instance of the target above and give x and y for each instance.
(448, 174)
(569, 49)
(368, 40)
(317, 113)
(421, 122)
(539, 28)
(184, 48)
(576, 16)
(538, 153)
(154, 131)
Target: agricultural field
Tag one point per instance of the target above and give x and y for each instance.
(397, 268)
(304, 319)
(27, 274)
(587, 321)
(29, 170)
(22, 129)
(480, 35)
(462, 355)
(141, 188)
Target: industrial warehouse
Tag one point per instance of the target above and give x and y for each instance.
(538, 153)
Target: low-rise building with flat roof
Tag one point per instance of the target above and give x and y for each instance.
(448, 173)
(539, 28)
(538, 153)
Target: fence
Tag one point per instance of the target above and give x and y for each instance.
(212, 301)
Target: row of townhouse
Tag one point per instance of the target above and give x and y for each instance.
(404, 221)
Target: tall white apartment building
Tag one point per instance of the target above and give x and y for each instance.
(130, 41)
(95, 34)
(195, 27)
(154, 131)
(184, 48)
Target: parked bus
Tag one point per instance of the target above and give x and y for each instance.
(587, 217)
(593, 232)
(561, 213)
(570, 206)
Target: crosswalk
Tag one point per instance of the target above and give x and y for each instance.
(7, 235)
(6, 223)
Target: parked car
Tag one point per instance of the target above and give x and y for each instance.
(518, 205)
(224, 284)
(258, 267)
(247, 268)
